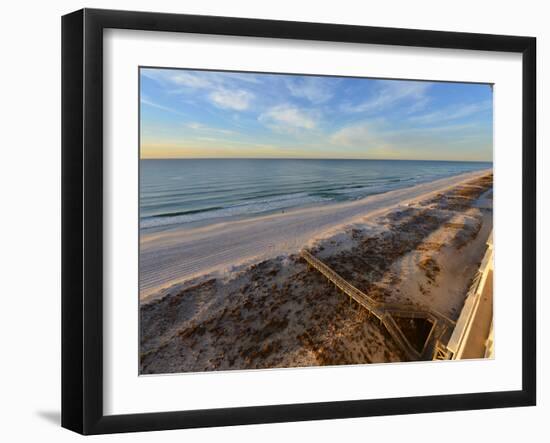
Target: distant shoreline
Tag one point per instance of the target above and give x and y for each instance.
(171, 256)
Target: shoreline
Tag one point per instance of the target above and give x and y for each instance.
(176, 220)
(171, 257)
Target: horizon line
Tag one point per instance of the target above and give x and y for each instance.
(315, 158)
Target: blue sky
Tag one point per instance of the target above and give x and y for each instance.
(202, 114)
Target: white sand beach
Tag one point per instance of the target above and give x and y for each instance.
(171, 257)
(419, 247)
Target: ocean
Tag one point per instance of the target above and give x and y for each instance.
(201, 191)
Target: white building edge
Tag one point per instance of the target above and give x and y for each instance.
(473, 335)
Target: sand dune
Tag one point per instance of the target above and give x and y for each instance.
(171, 257)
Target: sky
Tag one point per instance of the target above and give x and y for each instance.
(216, 114)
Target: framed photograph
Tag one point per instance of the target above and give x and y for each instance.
(269, 221)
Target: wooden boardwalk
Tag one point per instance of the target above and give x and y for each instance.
(386, 313)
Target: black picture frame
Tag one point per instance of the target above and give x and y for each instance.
(82, 219)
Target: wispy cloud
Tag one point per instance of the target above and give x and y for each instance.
(199, 127)
(191, 80)
(381, 133)
(361, 134)
(453, 113)
(314, 89)
(288, 118)
(245, 77)
(173, 78)
(391, 93)
(219, 89)
(145, 101)
(226, 99)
